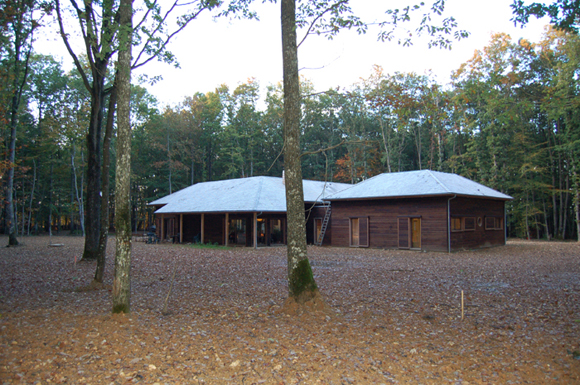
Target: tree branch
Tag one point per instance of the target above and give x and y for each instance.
(311, 27)
(323, 149)
(69, 48)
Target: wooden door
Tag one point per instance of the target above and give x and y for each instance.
(416, 233)
(317, 228)
(354, 232)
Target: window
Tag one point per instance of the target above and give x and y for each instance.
(463, 224)
(456, 224)
(493, 223)
(469, 224)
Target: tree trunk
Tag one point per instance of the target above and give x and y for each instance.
(72, 191)
(576, 184)
(50, 201)
(10, 225)
(93, 203)
(79, 197)
(301, 285)
(386, 143)
(122, 278)
(102, 250)
(22, 27)
(31, 196)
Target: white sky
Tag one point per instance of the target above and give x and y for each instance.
(213, 53)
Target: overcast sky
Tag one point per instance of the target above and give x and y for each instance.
(213, 53)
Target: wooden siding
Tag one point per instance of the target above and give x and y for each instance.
(317, 212)
(478, 209)
(383, 218)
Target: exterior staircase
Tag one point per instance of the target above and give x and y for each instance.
(324, 225)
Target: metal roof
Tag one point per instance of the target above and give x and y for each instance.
(416, 184)
(255, 194)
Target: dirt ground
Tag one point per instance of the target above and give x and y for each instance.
(394, 317)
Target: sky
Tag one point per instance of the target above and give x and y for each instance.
(212, 53)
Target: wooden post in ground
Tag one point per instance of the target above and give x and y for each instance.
(226, 236)
(255, 230)
(162, 235)
(202, 240)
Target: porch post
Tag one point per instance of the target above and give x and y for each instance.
(226, 235)
(162, 235)
(202, 228)
(255, 230)
(180, 228)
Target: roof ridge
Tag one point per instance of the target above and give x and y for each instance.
(258, 193)
(437, 180)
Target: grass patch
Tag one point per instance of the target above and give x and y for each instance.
(211, 246)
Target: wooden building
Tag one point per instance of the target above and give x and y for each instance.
(418, 210)
(245, 212)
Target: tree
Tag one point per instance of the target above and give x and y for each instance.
(122, 278)
(18, 23)
(564, 14)
(326, 18)
(301, 284)
(98, 27)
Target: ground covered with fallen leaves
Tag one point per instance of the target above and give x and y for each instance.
(394, 317)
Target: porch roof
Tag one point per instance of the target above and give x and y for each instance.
(254, 194)
(417, 184)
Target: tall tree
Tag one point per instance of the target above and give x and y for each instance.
(18, 23)
(122, 278)
(327, 18)
(98, 29)
(301, 284)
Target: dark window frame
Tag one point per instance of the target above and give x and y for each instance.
(496, 225)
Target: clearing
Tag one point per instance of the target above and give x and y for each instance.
(394, 317)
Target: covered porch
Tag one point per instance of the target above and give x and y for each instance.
(251, 229)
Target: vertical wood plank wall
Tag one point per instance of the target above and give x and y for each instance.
(385, 215)
(383, 222)
(477, 208)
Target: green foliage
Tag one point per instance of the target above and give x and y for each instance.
(563, 14)
(509, 120)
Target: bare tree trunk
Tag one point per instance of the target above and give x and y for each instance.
(576, 183)
(102, 250)
(31, 195)
(301, 285)
(50, 202)
(122, 278)
(10, 214)
(72, 190)
(169, 161)
(79, 197)
(93, 202)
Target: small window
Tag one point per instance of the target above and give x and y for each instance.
(456, 224)
(493, 223)
(469, 224)
(463, 224)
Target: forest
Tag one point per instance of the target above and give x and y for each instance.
(508, 119)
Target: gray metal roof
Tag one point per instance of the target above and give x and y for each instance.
(417, 183)
(255, 194)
